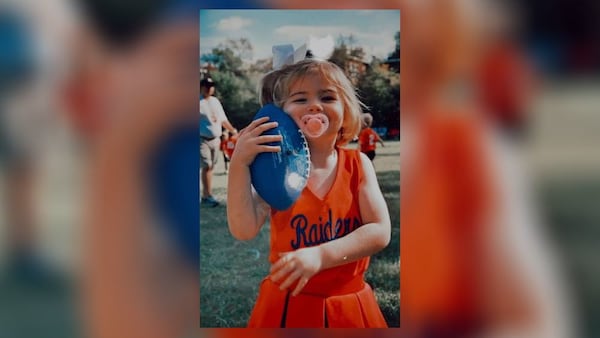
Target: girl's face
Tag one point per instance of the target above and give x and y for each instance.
(313, 95)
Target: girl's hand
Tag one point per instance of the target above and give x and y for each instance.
(250, 142)
(296, 266)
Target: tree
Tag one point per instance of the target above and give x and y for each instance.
(345, 49)
(227, 56)
(262, 66)
(379, 90)
(351, 41)
(234, 88)
(339, 56)
(227, 61)
(394, 57)
(396, 53)
(238, 96)
(357, 52)
(242, 47)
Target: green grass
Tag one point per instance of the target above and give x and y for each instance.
(572, 207)
(231, 270)
(384, 272)
(35, 306)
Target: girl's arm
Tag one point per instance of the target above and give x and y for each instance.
(373, 236)
(246, 211)
(380, 140)
(368, 239)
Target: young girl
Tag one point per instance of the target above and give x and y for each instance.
(320, 246)
(227, 147)
(368, 138)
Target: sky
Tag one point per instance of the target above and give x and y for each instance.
(373, 29)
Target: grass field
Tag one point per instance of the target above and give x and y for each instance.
(571, 206)
(231, 270)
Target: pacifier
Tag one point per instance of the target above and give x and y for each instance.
(314, 125)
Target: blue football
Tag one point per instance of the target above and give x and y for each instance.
(279, 178)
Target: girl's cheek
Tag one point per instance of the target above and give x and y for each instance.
(295, 114)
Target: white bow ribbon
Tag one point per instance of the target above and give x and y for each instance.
(320, 48)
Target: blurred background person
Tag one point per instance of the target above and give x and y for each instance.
(133, 99)
(505, 76)
(368, 138)
(227, 147)
(212, 121)
(16, 73)
(475, 258)
(31, 69)
(38, 243)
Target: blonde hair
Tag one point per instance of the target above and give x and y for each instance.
(275, 87)
(367, 120)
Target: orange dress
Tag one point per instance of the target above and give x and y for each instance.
(336, 297)
(367, 139)
(228, 146)
(446, 194)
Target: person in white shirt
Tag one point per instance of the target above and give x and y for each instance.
(212, 121)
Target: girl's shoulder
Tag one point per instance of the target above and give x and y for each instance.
(348, 153)
(351, 160)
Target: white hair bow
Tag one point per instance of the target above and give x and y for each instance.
(320, 48)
